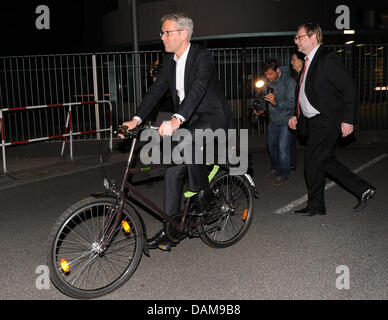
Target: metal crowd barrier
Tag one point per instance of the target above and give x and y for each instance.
(69, 132)
(124, 77)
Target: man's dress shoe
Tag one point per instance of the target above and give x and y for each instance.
(363, 200)
(308, 212)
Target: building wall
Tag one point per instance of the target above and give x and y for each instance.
(117, 25)
(220, 17)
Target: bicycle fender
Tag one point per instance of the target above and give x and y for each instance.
(252, 183)
(105, 194)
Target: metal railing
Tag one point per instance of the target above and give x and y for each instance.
(66, 126)
(55, 79)
(368, 65)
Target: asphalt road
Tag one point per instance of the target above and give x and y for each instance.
(282, 256)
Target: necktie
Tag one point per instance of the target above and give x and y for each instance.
(300, 86)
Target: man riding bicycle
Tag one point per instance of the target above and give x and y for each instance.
(199, 103)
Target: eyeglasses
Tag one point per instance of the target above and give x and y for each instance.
(167, 33)
(298, 38)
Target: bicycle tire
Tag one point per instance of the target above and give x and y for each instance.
(78, 267)
(233, 225)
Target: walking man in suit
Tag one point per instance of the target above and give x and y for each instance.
(326, 108)
(199, 101)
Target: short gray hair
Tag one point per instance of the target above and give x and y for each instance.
(182, 21)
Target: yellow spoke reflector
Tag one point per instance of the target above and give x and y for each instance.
(65, 265)
(245, 214)
(126, 226)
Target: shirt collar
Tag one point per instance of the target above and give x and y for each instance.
(184, 55)
(312, 53)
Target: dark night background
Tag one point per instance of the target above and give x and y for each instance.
(67, 31)
(77, 26)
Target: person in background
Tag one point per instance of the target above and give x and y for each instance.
(297, 64)
(164, 108)
(326, 109)
(281, 106)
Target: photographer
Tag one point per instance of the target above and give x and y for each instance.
(281, 105)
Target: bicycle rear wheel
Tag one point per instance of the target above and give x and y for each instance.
(79, 266)
(233, 198)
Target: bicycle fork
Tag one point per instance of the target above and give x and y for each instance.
(116, 213)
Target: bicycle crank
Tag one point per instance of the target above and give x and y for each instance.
(173, 233)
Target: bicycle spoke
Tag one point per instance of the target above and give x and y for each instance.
(232, 207)
(89, 266)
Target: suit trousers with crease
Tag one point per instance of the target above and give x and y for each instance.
(320, 160)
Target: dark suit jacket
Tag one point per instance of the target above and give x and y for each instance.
(330, 88)
(205, 105)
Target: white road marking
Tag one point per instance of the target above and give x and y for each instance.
(303, 199)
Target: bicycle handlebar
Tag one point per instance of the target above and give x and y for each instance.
(134, 132)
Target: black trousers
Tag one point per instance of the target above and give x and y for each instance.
(174, 180)
(320, 161)
(196, 175)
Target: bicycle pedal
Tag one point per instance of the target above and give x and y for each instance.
(166, 246)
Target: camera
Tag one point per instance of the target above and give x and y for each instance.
(260, 106)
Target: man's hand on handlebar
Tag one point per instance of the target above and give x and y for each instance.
(130, 125)
(167, 128)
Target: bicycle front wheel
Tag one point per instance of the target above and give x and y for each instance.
(234, 200)
(80, 266)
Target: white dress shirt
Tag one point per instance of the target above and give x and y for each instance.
(308, 110)
(179, 81)
(180, 78)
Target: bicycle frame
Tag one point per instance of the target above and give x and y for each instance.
(96, 244)
(182, 225)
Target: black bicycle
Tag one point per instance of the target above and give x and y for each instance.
(96, 245)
